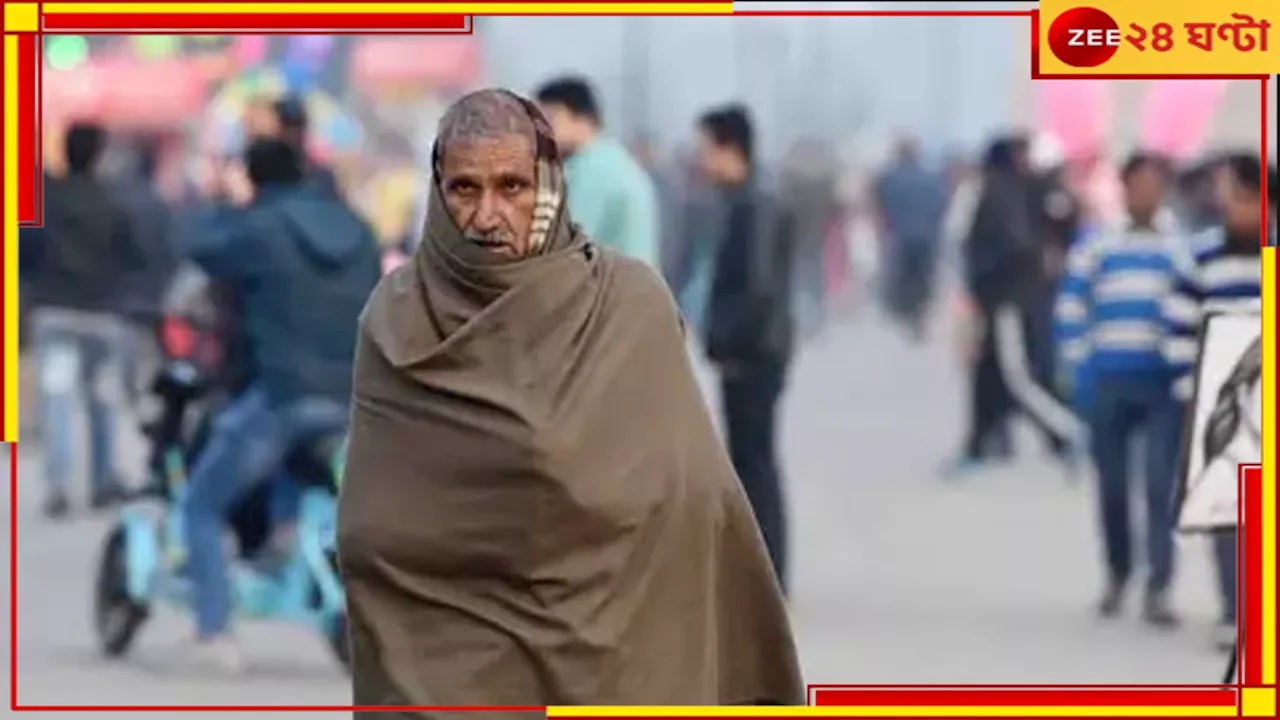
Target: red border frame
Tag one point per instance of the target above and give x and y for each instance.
(1208, 695)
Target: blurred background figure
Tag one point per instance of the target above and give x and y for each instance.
(152, 219)
(1224, 271)
(87, 250)
(700, 215)
(912, 202)
(665, 174)
(1005, 267)
(1112, 334)
(610, 194)
(298, 264)
(750, 324)
(809, 193)
(955, 186)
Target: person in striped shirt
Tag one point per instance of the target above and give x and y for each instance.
(1224, 272)
(1110, 329)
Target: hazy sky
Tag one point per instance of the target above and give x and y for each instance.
(949, 79)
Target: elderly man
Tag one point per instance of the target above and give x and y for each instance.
(536, 509)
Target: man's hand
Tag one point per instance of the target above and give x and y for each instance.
(971, 329)
(235, 185)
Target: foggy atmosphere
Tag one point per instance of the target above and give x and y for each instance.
(954, 478)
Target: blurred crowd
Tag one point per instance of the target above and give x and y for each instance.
(1030, 253)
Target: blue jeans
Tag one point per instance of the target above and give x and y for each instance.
(1125, 405)
(80, 360)
(250, 439)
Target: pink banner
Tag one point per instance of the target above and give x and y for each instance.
(1178, 115)
(250, 50)
(1077, 113)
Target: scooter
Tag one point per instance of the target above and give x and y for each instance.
(144, 555)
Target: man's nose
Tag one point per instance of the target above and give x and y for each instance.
(487, 216)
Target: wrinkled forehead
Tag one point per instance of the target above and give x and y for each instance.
(493, 116)
(503, 156)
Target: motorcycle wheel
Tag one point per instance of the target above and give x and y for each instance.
(116, 616)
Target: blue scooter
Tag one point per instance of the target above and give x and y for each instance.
(144, 555)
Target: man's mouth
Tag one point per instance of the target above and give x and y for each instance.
(496, 244)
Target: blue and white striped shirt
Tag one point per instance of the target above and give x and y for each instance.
(1108, 314)
(1215, 278)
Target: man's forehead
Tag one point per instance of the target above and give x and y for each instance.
(485, 116)
(503, 154)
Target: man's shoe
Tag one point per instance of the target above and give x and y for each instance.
(219, 654)
(56, 506)
(1072, 459)
(1112, 602)
(962, 467)
(1157, 613)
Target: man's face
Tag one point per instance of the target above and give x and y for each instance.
(711, 158)
(567, 127)
(490, 187)
(1221, 187)
(1241, 206)
(260, 121)
(1145, 191)
(1021, 155)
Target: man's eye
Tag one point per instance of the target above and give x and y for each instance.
(514, 185)
(463, 187)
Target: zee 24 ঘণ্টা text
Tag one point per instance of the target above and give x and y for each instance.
(1243, 33)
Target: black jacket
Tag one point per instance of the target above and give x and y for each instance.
(152, 223)
(749, 315)
(1002, 248)
(87, 249)
(301, 265)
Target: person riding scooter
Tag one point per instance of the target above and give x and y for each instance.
(300, 265)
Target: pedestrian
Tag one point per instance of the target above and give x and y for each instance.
(153, 226)
(87, 252)
(1003, 260)
(293, 124)
(701, 217)
(1111, 330)
(912, 204)
(1194, 201)
(611, 196)
(299, 265)
(1224, 272)
(809, 193)
(535, 508)
(749, 327)
(1056, 216)
(287, 118)
(667, 185)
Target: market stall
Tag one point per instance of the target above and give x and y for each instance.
(403, 84)
(334, 131)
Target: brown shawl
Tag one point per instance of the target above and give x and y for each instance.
(536, 508)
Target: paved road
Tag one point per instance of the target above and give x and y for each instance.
(900, 577)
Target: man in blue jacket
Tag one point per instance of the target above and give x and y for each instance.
(301, 265)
